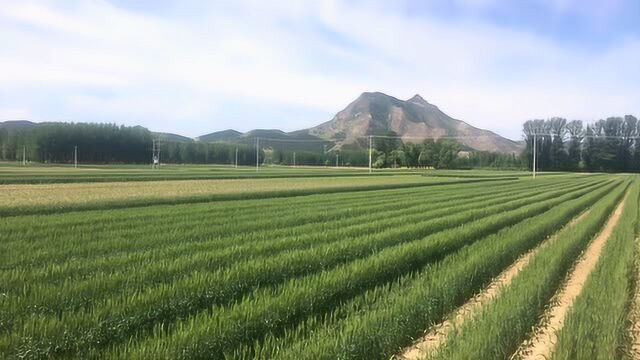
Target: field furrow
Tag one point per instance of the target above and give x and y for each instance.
(269, 310)
(437, 334)
(389, 325)
(542, 343)
(189, 296)
(596, 325)
(501, 326)
(450, 264)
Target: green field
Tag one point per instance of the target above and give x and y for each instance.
(306, 263)
(10, 173)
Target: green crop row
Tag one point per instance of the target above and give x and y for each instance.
(83, 176)
(115, 320)
(166, 268)
(215, 222)
(505, 323)
(393, 321)
(142, 200)
(234, 247)
(595, 327)
(272, 310)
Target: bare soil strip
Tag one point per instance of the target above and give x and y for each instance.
(438, 333)
(634, 329)
(542, 344)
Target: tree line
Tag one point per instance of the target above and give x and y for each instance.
(610, 145)
(390, 151)
(606, 145)
(111, 144)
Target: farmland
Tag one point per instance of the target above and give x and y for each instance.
(316, 263)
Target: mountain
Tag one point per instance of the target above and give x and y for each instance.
(229, 135)
(12, 125)
(375, 113)
(170, 137)
(372, 113)
(274, 138)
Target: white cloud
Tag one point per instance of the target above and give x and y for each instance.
(315, 54)
(15, 113)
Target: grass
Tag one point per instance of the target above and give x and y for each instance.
(270, 310)
(391, 323)
(10, 173)
(505, 323)
(54, 198)
(287, 267)
(202, 289)
(595, 328)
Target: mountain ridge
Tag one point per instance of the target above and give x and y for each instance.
(414, 120)
(372, 113)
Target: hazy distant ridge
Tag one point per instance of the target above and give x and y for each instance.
(414, 120)
(372, 113)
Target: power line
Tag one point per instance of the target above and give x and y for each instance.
(434, 137)
(427, 137)
(294, 140)
(590, 136)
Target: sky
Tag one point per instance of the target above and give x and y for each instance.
(194, 67)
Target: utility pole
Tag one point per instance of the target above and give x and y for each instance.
(370, 149)
(75, 156)
(294, 159)
(156, 154)
(257, 154)
(236, 157)
(336, 159)
(24, 155)
(534, 155)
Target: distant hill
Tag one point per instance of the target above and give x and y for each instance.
(375, 113)
(229, 135)
(372, 113)
(273, 138)
(12, 125)
(171, 137)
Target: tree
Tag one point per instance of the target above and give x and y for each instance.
(411, 153)
(428, 154)
(558, 155)
(396, 158)
(447, 153)
(387, 142)
(380, 160)
(629, 133)
(576, 135)
(531, 130)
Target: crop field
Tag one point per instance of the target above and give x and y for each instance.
(10, 173)
(38, 174)
(313, 264)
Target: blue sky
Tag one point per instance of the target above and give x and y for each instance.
(193, 67)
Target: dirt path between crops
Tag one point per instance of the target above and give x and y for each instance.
(542, 344)
(437, 334)
(634, 329)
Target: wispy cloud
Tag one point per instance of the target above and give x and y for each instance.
(245, 63)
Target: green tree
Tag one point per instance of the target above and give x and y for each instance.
(576, 136)
(558, 154)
